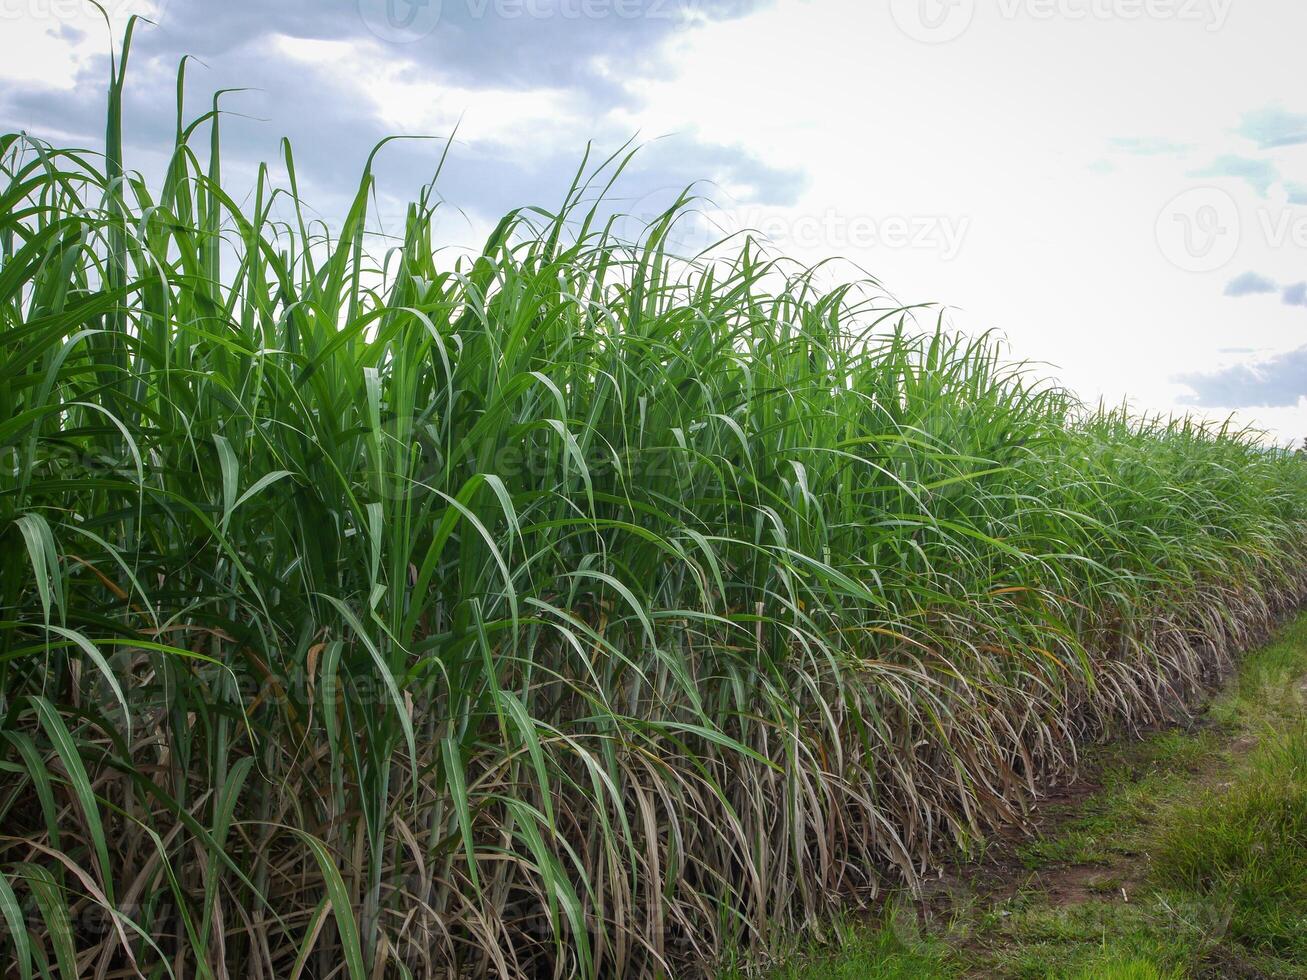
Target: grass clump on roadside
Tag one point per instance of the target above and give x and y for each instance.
(1242, 845)
(1244, 848)
(566, 607)
(895, 951)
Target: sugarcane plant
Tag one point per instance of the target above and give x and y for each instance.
(566, 607)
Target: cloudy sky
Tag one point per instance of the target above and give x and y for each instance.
(1117, 186)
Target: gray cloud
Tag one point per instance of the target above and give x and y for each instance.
(1250, 284)
(1259, 174)
(513, 45)
(501, 43)
(1295, 295)
(1274, 126)
(1277, 382)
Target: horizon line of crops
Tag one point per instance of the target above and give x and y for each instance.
(569, 608)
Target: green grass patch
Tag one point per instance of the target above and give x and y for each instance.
(1088, 939)
(1138, 781)
(1243, 847)
(896, 951)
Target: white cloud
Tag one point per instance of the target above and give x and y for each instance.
(1008, 126)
